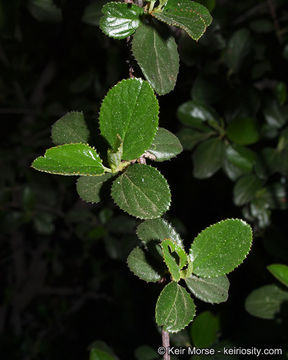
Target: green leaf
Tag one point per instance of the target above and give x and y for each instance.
(45, 10)
(204, 329)
(241, 157)
(70, 159)
(168, 247)
(275, 114)
(281, 92)
(174, 308)
(120, 20)
(71, 128)
(157, 57)
(157, 229)
(211, 290)
(142, 191)
(188, 15)
(89, 187)
(208, 158)
(101, 351)
(243, 131)
(165, 145)
(280, 272)
(138, 262)
(220, 248)
(265, 302)
(189, 138)
(195, 114)
(130, 110)
(238, 49)
(245, 189)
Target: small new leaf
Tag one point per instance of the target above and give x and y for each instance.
(142, 192)
(220, 248)
(120, 20)
(168, 248)
(70, 159)
(188, 15)
(174, 308)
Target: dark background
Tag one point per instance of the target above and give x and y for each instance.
(63, 272)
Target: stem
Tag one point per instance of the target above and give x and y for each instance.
(165, 343)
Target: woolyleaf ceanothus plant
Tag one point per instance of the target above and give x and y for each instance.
(129, 125)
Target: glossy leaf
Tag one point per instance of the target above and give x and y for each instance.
(189, 138)
(220, 248)
(165, 145)
(211, 290)
(130, 110)
(157, 57)
(243, 131)
(265, 302)
(208, 158)
(157, 229)
(174, 308)
(89, 187)
(71, 128)
(275, 114)
(196, 115)
(280, 272)
(120, 20)
(138, 263)
(70, 159)
(142, 191)
(241, 157)
(238, 49)
(204, 329)
(168, 248)
(188, 15)
(245, 189)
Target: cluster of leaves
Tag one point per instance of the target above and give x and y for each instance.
(248, 138)
(156, 53)
(129, 123)
(203, 269)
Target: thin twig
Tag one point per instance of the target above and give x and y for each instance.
(165, 344)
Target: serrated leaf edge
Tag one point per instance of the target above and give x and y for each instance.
(210, 277)
(64, 174)
(195, 308)
(119, 82)
(144, 73)
(138, 247)
(103, 16)
(138, 217)
(183, 27)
